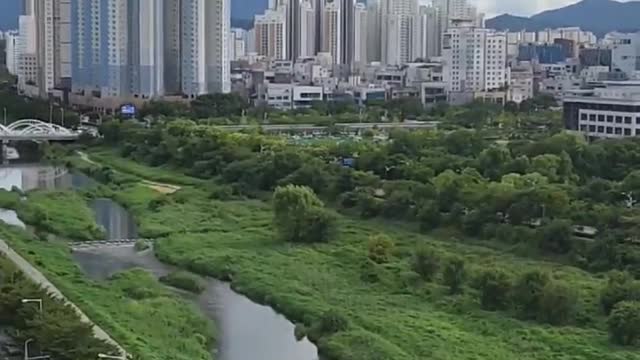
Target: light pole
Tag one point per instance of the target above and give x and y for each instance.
(26, 352)
(104, 356)
(5, 116)
(38, 301)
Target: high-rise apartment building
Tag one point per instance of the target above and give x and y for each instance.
(332, 31)
(373, 31)
(347, 30)
(475, 58)
(11, 50)
(361, 28)
(625, 52)
(271, 34)
(307, 25)
(399, 31)
(449, 10)
(172, 47)
(427, 37)
(237, 44)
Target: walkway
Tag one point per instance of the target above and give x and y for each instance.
(37, 277)
(107, 243)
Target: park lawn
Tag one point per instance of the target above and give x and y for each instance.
(141, 314)
(395, 317)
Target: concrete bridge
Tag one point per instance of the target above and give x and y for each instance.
(84, 245)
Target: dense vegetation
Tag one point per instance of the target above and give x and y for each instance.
(184, 280)
(62, 213)
(57, 329)
(506, 211)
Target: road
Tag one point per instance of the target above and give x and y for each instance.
(37, 277)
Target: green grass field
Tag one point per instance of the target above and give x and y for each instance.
(394, 317)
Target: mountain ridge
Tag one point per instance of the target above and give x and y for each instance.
(611, 16)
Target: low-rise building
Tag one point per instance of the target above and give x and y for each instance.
(609, 112)
(521, 84)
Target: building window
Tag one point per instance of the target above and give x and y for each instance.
(610, 118)
(601, 118)
(627, 132)
(601, 129)
(584, 128)
(627, 119)
(592, 128)
(609, 130)
(618, 119)
(592, 117)
(618, 131)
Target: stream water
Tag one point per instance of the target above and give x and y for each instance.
(246, 330)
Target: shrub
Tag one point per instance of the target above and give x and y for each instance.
(429, 216)
(556, 237)
(624, 323)
(495, 287)
(141, 245)
(454, 275)
(332, 321)
(300, 216)
(620, 287)
(184, 280)
(425, 262)
(557, 304)
(380, 247)
(527, 293)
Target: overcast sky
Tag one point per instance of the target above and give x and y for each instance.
(519, 7)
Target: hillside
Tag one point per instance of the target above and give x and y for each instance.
(611, 16)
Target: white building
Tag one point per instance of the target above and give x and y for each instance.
(449, 10)
(271, 34)
(332, 31)
(427, 27)
(475, 58)
(360, 36)
(625, 52)
(27, 66)
(521, 83)
(610, 112)
(237, 44)
(399, 31)
(374, 29)
(308, 28)
(12, 53)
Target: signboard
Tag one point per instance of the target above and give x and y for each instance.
(128, 110)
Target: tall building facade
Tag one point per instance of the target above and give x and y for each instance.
(361, 27)
(347, 31)
(271, 34)
(332, 31)
(475, 58)
(428, 35)
(12, 54)
(308, 28)
(399, 31)
(373, 31)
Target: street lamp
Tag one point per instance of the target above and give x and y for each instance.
(104, 356)
(26, 352)
(38, 301)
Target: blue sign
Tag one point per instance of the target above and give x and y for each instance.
(128, 110)
(348, 162)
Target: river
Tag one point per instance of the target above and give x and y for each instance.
(246, 330)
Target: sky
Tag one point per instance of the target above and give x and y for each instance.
(519, 7)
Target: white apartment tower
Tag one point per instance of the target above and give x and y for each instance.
(308, 28)
(398, 31)
(12, 46)
(271, 34)
(475, 58)
(427, 37)
(332, 31)
(361, 28)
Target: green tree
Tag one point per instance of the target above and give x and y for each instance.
(621, 286)
(624, 323)
(429, 215)
(454, 274)
(299, 216)
(425, 262)
(556, 237)
(380, 248)
(495, 287)
(528, 292)
(558, 304)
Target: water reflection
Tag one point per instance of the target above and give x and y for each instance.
(116, 221)
(31, 177)
(240, 321)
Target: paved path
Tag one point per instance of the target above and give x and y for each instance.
(37, 277)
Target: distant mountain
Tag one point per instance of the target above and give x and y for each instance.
(9, 12)
(598, 16)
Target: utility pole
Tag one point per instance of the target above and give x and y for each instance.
(62, 112)
(5, 116)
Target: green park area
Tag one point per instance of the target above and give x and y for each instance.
(498, 236)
